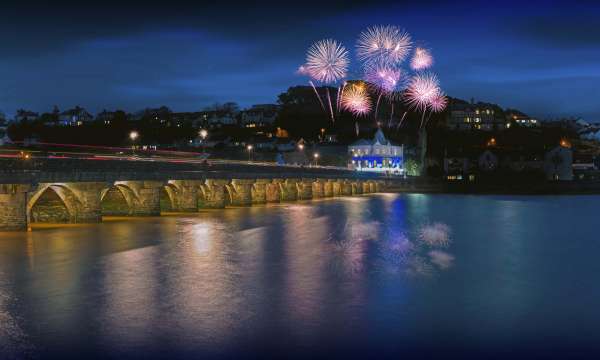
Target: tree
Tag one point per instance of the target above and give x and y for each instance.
(412, 167)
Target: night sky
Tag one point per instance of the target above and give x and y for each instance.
(542, 57)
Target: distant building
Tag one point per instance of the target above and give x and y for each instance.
(488, 161)
(74, 117)
(520, 119)
(195, 119)
(558, 164)
(259, 115)
(3, 132)
(26, 115)
(475, 116)
(216, 118)
(377, 155)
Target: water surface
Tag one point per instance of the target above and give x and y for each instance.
(380, 275)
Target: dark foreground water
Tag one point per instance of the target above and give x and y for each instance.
(383, 275)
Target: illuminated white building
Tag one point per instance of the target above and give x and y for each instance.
(377, 155)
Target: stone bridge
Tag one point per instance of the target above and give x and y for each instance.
(83, 197)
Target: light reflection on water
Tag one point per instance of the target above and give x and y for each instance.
(381, 271)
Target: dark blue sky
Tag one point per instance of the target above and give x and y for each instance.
(542, 57)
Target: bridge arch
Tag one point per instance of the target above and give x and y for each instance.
(53, 203)
(118, 199)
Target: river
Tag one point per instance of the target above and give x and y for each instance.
(381, 274)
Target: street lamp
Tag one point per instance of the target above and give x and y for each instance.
(300, 147)
(249, 148)
(203, 134)
(316, 156)
(133, 135)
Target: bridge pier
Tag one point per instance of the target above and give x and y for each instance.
(274, 191)
(365, 187)
(241, 192)
(318, 188)
(305, 189)
(356, 188)
(183, 194)
(328, 188)
(13, 207)
(88, 196)
(259, 191)
(214, 194)
(346, 188)
(289, 189)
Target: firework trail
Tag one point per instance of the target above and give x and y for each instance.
(377, 105)
(337, 99)
(317, 93)
(327, 61)
(422, 59)
(330, 107)
(383, 45)
(401, 120)
(391, 117)
(356, 128)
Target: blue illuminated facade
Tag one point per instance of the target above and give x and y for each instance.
(377, 155)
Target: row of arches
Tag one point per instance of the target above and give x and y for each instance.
(88, 202)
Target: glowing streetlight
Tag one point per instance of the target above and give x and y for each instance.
(249, 148)
(203, 134)
(300, 147)
(133, 135)
(316, 156)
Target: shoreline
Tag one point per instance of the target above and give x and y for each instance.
(549, 188)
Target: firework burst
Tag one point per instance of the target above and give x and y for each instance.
(385, 80)
(423, 88)
(383, 45)
(422, 59)
(355, 99)
(438, 103)
(327, 61)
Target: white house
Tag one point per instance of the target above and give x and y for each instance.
(377, 155)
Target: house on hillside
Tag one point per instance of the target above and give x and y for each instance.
(76, 116)
(26, 115)
(475, 116)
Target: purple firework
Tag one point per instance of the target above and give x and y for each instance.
(422, 59)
